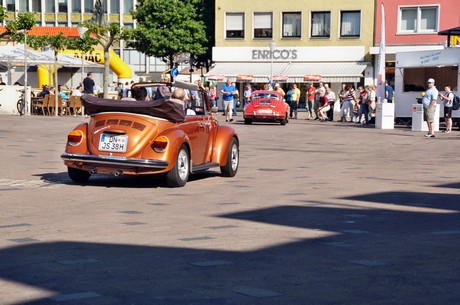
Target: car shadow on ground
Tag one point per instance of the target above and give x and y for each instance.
(400, 249)
(123, 181)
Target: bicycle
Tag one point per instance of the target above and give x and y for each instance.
(21, 105)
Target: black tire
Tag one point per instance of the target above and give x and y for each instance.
(178, 176)
(21, 108)
(248, 121)
(233, 159)
(284, 121)
(78, 175)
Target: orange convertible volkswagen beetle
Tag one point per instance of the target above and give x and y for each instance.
(266, 106)
(156, 135)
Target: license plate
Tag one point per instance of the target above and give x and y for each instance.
(264, 111)
(113, 142)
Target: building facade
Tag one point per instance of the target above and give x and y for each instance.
(411, 34)
(413, 25)
(294, 42)
(70, 13)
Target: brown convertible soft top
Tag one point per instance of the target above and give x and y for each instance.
(162, 108)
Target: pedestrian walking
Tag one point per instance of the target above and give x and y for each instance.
(227, 97)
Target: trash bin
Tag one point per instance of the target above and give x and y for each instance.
(418, 124)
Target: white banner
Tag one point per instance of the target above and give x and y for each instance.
(381, 64)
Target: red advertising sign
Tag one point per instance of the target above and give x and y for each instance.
(216, 77)
(245, 77)
(280, 78)
(312, 77)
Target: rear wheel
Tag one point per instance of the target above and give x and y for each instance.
(284, 121)
(78, 175)
(233, 158)
(248, 121)
(178, 176)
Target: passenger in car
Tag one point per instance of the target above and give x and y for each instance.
(178, 96)
(138, 94)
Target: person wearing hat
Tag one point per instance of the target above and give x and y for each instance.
(429, 101)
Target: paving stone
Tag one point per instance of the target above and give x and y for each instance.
(225, 203)
(16, 225)
(340, 244)
(355, 215)
(354, 231)
(256, 292)
(446, 232)
(74, 296)
(212, 263)
(78, 261)
(219, 227)
(23, 240)
(131, 212)
(370, 263)
(195, 238)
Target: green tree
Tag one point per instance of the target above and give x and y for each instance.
(16, 29)
(105, 35)
(206, 10)
(166, 28)
(2, 13)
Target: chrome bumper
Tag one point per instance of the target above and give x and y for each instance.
(114, 161)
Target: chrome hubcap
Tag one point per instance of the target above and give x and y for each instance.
(234, 157)
(182, 164)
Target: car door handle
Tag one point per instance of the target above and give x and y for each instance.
(201, 125)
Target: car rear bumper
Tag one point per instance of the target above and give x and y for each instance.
(115, 161)
(265, 117)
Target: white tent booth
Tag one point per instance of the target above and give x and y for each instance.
(413, 69)
(12, 56)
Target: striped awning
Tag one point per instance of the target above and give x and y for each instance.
(331, 72)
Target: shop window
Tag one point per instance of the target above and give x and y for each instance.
(114, 7)
(263, 25)
(292, 25)
(24, 6)
(350, 24)
(62, 6)
(321, 24)
(10, 6)
(422, 19)
(49, 6)
(89, 6)
(37, 6)
(129, 5)
(234, 25)
(76, 6)
(415, 78)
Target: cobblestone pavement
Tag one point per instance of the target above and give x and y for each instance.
(319, 213)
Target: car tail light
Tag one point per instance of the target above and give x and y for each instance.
(160, 144)
(75, 137)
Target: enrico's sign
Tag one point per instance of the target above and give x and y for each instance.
(285, 54)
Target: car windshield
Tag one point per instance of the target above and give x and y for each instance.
(265, 96)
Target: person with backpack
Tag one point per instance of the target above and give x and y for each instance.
(448, 98)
